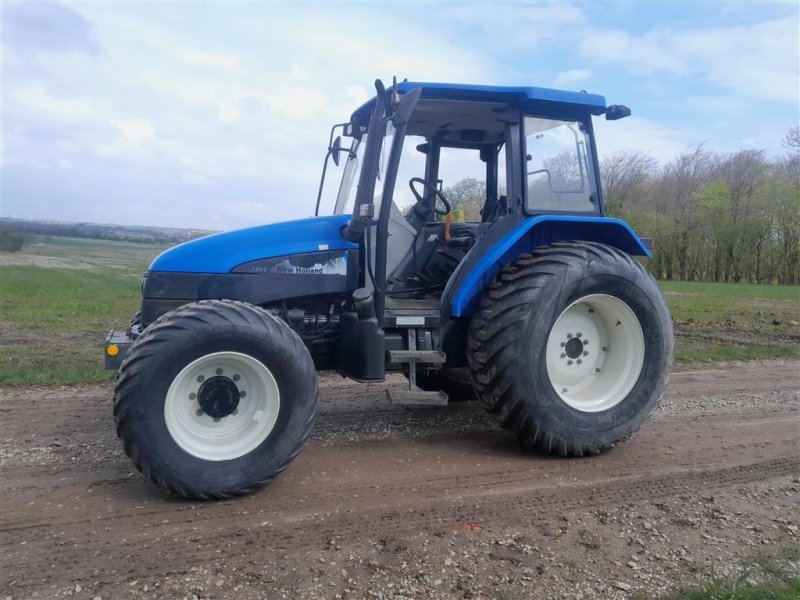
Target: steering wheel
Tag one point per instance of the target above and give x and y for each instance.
(436, 192)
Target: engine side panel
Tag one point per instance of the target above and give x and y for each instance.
(259, 282)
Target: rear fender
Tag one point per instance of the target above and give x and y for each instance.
(537, 231)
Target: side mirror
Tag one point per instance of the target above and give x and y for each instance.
(408, 102)
(335, 149)
(617, 111)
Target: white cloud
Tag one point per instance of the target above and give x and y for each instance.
(212, 60)
(643, 54)
(522, 28)
(760, 60)
(294, 101)
(571, 76)
(134, 130)
(36, 99)
(662, 141)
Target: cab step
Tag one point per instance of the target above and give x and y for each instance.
(416, 356)
(417, 397)
(413, 395)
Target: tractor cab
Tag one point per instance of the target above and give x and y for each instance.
(434, 176)
(518, 156)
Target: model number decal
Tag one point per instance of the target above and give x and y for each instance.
(336, 266)
(317, 263)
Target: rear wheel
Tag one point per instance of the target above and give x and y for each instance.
(215, 399)
(572, 347)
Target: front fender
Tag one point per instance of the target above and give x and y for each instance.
(537, 231)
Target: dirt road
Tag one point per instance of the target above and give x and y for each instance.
(392, 502)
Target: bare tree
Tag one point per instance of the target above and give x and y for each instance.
(792, 138)
(626, 175)
(468, 195)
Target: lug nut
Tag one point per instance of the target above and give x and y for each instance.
(563, 344)
(216, 419)
(569, 362)
(199, 412)
(235, 411)
(591, 310)
(564, 390)
(585, 341)
(242, 394)
(597, 370)
(579, 334)
(236, 377)
(585, 353)
(569, 336)
(579, 361)
(219, 371)
(200, 379)
(192, 396)
(605, 348)
(563, 355)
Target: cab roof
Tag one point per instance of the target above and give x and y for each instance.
(550, 102)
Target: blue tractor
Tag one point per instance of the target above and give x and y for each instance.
(537, 306)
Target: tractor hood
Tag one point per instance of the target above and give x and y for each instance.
(223, 252)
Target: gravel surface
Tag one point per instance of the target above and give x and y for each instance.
(399, 503)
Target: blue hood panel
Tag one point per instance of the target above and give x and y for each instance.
(222, 252)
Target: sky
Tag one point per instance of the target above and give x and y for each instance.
(216, 115)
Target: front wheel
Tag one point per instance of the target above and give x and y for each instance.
(572, 347)
(215, 399)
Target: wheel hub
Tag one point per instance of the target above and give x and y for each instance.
(218, 396)
(595, 352)
(574, 347)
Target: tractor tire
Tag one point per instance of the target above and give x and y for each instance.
(215, 399)
(455, 382)
(572, 347)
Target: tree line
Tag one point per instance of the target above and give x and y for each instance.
(12, 232)
(731, 217)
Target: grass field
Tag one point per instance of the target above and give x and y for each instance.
(59, 296)
(722, 321)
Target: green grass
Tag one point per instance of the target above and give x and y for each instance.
(774, 580)
(733, 290)
(59, 296)
(53, 318)
(723, 321)
(738, 589)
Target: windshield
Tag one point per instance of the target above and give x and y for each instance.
(349, 184)
(346, 198)
(558, 171)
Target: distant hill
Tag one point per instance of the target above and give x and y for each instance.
(100, 231)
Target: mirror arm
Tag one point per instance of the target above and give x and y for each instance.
(322, 180)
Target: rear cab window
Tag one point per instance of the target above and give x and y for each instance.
(559, 168)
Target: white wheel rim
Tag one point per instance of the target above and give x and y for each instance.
(229, 436)
(595, 353)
